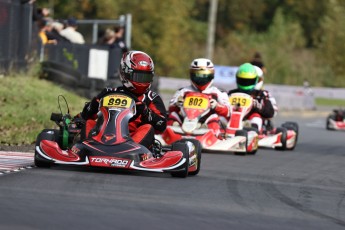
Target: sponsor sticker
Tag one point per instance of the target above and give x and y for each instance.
(110, 162)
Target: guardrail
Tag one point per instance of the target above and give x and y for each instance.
(288, 97)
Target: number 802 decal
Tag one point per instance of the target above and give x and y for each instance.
(195, 102)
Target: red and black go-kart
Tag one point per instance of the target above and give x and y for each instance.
(111, 146)
(336, 120)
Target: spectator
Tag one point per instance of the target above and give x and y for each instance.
(257, 61)
(108, 37)
(44, 26)
(71, 33)
(54, 30)
(119, 38)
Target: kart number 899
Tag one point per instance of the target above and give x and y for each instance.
(117, 102)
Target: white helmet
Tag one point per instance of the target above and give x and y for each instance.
(259, 85)
(201, 72)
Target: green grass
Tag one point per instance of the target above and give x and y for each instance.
(329, 102)
(26, 104)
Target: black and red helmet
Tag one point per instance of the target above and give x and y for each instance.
(136, 71)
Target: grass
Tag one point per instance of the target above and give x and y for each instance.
(26, 104)
(329, 102)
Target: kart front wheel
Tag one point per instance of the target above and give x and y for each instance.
(290, 125)
(243, 133)
(283, 137)
(46, 134)
(197, 150)
(328, 123)
(183, 147)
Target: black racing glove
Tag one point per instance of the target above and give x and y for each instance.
(144, 111)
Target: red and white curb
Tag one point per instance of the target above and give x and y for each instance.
(15, 161)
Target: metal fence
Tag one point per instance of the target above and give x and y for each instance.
(15, 34)
(86, 67)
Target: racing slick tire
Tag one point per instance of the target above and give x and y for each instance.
(283, 138)
(46, 134)
(198, 148)
(183, 147)
(330, 117)
(290, 125)
(243, 133)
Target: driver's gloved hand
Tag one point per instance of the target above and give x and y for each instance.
(141, 108)
(214, 103)
(179, 101)
(257, 105)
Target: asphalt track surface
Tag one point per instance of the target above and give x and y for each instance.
(302, 189)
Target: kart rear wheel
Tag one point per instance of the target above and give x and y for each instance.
(198, 148)
(330, 117)
(183, 147)
(243, 133)
(46, 134)
(283, 138)
(290, 125)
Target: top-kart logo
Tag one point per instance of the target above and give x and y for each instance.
(110, 161)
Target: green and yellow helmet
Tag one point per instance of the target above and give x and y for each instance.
(246, 77)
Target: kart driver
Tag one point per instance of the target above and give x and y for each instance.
(136, 74)
(201, 73)
(246, 80)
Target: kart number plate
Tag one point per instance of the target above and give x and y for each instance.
(240, 100)
(193, 102)
(117, 101)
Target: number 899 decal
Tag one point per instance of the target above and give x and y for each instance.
(117, 101)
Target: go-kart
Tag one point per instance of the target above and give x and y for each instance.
(233, 138)
(283, 137)
(110, 145)
(336, 120)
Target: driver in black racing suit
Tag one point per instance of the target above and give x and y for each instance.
(136, 73)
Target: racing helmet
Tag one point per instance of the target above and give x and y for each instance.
(201, 73)
(260, 74)
(136, 71)
(246, 77)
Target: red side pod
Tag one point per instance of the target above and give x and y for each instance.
(169, 159)
(52, 149)
(169, 136)
(208, 139)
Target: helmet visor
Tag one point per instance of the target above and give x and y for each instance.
(245, 83)
(201, 78)
(142, 77)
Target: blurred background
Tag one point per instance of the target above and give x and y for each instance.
(298, 40)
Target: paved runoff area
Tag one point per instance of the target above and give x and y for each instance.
(15, 161)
